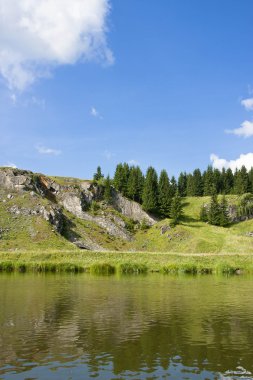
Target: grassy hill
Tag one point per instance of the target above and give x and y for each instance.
(19, 231)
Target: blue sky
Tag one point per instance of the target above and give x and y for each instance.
(166, 83)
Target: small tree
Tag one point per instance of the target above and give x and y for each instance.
(150, 191)
(224, 216)
(164, 199)
(98, 175)
(176, 211)
(214, 211)
(107, 191)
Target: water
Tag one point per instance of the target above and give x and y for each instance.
(134, 327)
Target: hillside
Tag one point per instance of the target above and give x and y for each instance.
(44, 213)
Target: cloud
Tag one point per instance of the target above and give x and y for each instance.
(244, 159)
(48, 151)
(9, 165)
(246, 129)
(247, 103)
(94, 112)
(36, 36)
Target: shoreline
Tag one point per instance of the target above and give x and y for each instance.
(125, 262)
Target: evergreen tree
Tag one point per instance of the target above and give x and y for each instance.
(107, 190)
(190, 186)
(98, 175)
(228, 181)
(217, 181)
(164, 199)
(250, 174)
(224, 215)
(176, 211)
(150, 191)
(209, 187)
(173, 187)
(121, 178)
(197, 183)
(182, 184)
(135, 184)
(214, 211)
(241, 181)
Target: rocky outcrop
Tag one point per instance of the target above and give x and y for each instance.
(114, 225)
(53, 215)
(13, 179)
(131, 209)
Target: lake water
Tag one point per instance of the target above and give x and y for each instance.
(132, 327)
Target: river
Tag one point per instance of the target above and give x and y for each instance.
(125, 327)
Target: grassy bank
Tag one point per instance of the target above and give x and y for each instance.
(130, 262)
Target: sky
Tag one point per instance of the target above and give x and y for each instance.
(167, 83)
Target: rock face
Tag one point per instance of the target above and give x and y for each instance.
(53, 215)
(13, 179)
(76, 198)
(131, 209)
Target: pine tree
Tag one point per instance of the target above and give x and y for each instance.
(164, 199)
(217, 180)
(173, 186)
(107, 190)
(150, 191)
(241, 181)
(176, 211)
(209, 187)
(214, 211)
(98, 175)
(250, 174)
(121, 177)
(190, 186)
(197, 183)
(224, 215)
(182, 184)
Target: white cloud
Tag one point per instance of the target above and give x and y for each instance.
(48, 151)
(244, 159)
(94, 112)
(247, 103)
(36, 36)
(246, 129)
(10, 165)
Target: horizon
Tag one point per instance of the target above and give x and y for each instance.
(130, 81)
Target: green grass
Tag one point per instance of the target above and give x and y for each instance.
(124, 262)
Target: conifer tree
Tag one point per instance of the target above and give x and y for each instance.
(190, 185)
(135, 184)
(197, 183)
(150, 191)
(209, 187)
(164, 199)
(121, 178)
(107, 190)
(173, 186)
(250, 174)
(98, 175)
(224, 215)
(176, 211)
(182, 184)
(214, 211)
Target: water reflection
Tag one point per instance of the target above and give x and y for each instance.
(153, 327)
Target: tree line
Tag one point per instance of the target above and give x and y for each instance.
(156, 192)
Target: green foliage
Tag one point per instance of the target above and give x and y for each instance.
(224, 216)
(107, 190)
(164, 198)
(182, 184)
(150, 191)
(135, 184)
(214, 211)
(176, 211)
(245, 207)
(121, 177)
(98, 175)
(94, 207)
(208, 180)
